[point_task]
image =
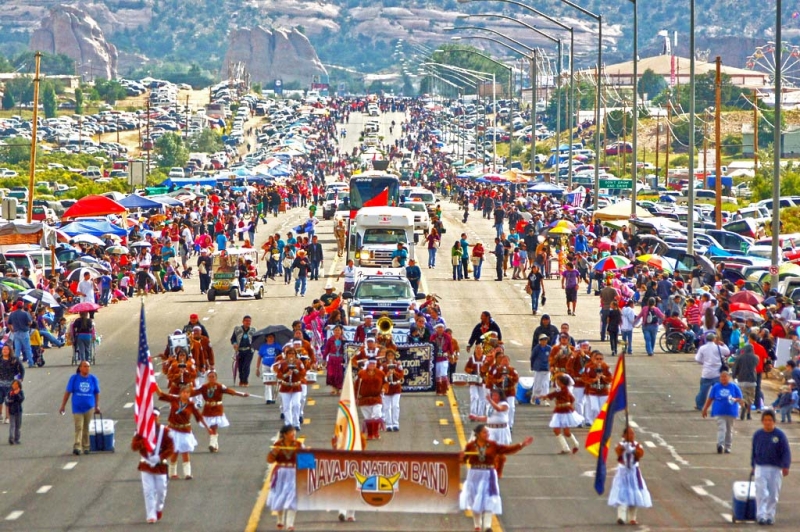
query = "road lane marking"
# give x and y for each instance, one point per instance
(261, 500)
(700, 491)
(306, 421)
(127, 405)
(443, 422)
(311, 402)
(13, 516)
(650, 444)
(44, 489)
(673, 466)
(633, 424)
(69, 465)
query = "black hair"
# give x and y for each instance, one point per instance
(286, 429)
(477, 430)
(768, 413)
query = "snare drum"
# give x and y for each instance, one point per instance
(462, 379)
(311, 376)
(269, 378)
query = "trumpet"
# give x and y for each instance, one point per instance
(385, 326)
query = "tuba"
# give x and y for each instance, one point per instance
(385, 326)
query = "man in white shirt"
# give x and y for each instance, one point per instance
(86, 289)
(711, 356)
(349, 273)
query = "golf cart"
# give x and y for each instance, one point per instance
(225, 275)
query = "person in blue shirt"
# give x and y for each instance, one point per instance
(105, 289)
(267, 353)
(401, 254)
(581, 243)
(413, 274)
(279, 242)
(85, 391)
(724, 399)
(464, 255)
(20, 322)
(222, 241)
(770, 460)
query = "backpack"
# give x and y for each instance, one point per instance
(651, 317)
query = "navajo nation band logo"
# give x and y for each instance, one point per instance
(377, 490)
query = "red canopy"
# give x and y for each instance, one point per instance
(94, 206)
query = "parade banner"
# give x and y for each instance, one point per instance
(417, 362)
(378, 481)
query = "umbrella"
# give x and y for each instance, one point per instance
(604, 244)
(40, 296)
(5, 288)
(117, 250)
(77, 275)
(13, 284)
(735, 307)
(746, 296)
(657, 261)
(769, 301)
(84, 262)
(746, 315)
(563, 223)
(560, 230)
(613, 262)
(282, 333)
(88, 239)
(84, 307)
(141, 244)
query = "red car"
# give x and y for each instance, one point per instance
(618, 148)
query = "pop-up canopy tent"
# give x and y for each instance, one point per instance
(18, 232)
(93, 206)
(139, 202)
(93, 227)
(620, 211)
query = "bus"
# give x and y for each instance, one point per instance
(368, 187)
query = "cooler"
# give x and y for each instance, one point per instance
(101, 435)
(744, 501)
(524, 388)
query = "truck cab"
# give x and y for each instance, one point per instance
(375, 234)
(381, 295)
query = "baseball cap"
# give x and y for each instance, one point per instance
(193, 316)
(543, 337)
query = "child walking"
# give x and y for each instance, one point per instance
(564, 415)
(629, 491)
(14, 401)
(785, 404)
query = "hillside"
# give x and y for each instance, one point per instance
(362, 34)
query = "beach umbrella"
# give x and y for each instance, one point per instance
(611, 263)
(563, 223)
(604, 244)
(743, 315)
(88, 239)
(735, 307)
(657, 261)
(77, 275)
(13, 284)
(117, 250)
(141, 244)
(560, 230)
(40, 296)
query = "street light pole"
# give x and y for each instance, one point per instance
(635, 168)
(777, 146)
(533, 113)
(690, 214)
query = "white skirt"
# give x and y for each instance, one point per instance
(283, 490)
(185, 442)
(481, 492)
(566, 421)
(629, 489)
(500, 435)
(217, 421)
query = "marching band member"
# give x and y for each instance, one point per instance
(363, 330)
(308, 363)
(153, 467)
(504, 377)
(181, 411)
(442, 350)
(369, 351)
(597, 379)
(215, 417)
(481, 491)
(575, 367)
(564, 416)
(369, 388)
(282, 496)
(477, 394)
(202, 352)
(392, 388)
(290, 373)
(267, 355)
(182, 371)
(307, 346)
(497, 418)
(629, 491)
(452, 359)
(560, 355)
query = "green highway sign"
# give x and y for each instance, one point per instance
(615, 183)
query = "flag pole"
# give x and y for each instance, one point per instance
(625, 381)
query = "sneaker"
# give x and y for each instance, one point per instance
(719, 449)
(86, 451)
(769, 522)
(301, 420)
(727, 451)
(762, 521)
(76, 452)
(6, 421)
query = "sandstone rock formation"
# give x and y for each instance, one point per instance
(274, 54)
(70, 31)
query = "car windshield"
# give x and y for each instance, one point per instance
(421, 196)
(384, 236)
(419, 207)
(383, 290)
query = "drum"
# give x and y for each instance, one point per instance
(311, 376)
(462, 379)
(269, 378)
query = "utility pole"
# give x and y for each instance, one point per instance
(669, 138)
(34, 128)
(718, 142)
(624, 142)
(186, 126)
(148, 139)
(658, 140)
(705, 148)
(755, 131)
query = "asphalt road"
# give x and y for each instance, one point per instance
(44, 487)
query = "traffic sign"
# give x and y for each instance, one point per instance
(773, 270)
(616, 183)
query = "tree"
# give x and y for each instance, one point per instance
(49, 101)
(584, 97)
(171, 151)
(79, 101)
(15, 153)
(8, 101)
(256, 87)
(5, 65)
(207, 141)
(21, 88)
(651, 84)
(109, 90)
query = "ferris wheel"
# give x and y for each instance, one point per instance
(763, 59)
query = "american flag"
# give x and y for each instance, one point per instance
(576, 197)
(145, 390)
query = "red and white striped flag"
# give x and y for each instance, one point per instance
(145, 390)
(577, 196)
